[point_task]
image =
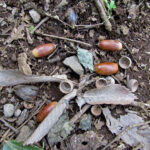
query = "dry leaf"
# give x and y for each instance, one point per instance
(22, 64)
(51, 119)
(17, 33)
(111, 94)
(15, 77)
(133, 136)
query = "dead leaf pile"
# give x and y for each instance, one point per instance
(133, 136)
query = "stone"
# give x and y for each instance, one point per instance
(9, 110)
(25, 132)
(17, 113)
(26, 92)
(35, 15)
(74, 64)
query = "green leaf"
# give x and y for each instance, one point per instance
(14, 145)
(85, 58)
(112, 4)
(31, 28)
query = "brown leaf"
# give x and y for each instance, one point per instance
(133, 136)
(22, 64)
(111, 94)
(51, 119)
(17, 33)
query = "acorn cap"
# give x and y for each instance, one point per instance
(96, 110)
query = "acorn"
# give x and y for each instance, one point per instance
(110, 45)
(45, 111)
(43, 50)
(106, 68)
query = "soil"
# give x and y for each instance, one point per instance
(138, 37)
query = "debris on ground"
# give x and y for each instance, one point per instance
(87, 141)
(133, 136)
(24, 134)
(85, 122)
(22, 64)
(74, 75)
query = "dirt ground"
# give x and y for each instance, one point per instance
(137, 40)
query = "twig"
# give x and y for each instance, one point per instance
(79, 114)
(63, 38)
(89, 26)
(39, 24)
(57, 18)
(103, 15)
(128, 128)
(8, 125)
(5, 135)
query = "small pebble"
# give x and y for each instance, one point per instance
(26, 92)
(35, 16)
(17, 113)
(9, 110)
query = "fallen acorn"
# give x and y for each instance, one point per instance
(43, 50)
(110, 45)
(45, 111)
(106, 68)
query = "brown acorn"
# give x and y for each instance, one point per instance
(110, 45)
(43, 50)
(106, 68)
(45, 111)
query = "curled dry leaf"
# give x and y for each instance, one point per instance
(22, 64)
(15, 77)
(17, 33)
(51, 119)
(110, 94)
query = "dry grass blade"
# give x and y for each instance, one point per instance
(51, 119)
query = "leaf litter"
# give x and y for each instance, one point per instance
(133, 136)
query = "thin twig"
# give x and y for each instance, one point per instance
(64, 38)
(123, 132)
(58, 19)
(89, 26)
(39, 24)
(5, 135)
(8, 125)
